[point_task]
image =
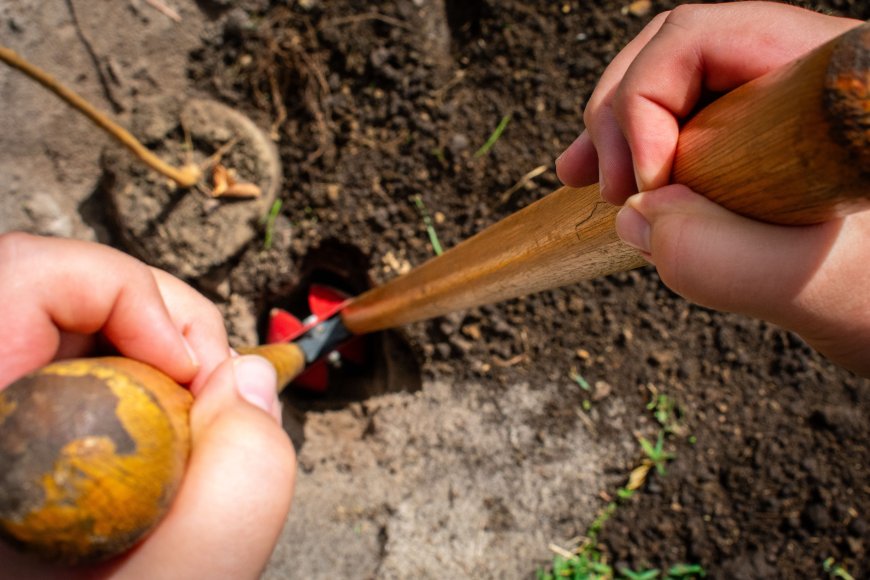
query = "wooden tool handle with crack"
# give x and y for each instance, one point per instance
(92, 450)
(791, 147)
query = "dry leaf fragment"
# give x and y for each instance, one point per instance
(638, 8)
(221, 179)
(225, 184)
(164, 9)
(243, 189)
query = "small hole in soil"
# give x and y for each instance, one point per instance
(388, 363)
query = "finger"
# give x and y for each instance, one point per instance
(236, 493)
(52, 286)
(578, 164)
(199, 320)
(797, 277)
(611, 165)
(715, 48)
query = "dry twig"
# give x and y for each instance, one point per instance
(522, 182)
(164, 9)
(365, 17)
(186, 176)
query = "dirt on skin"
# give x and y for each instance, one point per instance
(465, 450)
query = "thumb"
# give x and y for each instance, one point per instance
(236, 493)
(797, 277)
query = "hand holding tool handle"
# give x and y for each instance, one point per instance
(791, 147)
(93, 450)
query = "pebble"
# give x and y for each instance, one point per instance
(602, 391)
(49, 217)
(458, 143)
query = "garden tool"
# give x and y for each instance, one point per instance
(790, 147)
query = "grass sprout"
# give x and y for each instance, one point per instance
(834, 570)
(427, 221)
(656, 454)
(578, 378)
(583, 566)
(586, 404)
(641, 575)
(587, 561)
(667, 411)
(686, 571)
(269, 220)
(502, 125)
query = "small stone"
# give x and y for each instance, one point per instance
(458, 143)
(472, 331)
(602, 391)
(379, 57)
(48, 216)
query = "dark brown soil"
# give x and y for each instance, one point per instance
(373, 103)
(381, 106)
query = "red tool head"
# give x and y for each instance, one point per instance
(324, 303)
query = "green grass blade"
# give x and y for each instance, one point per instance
(270, 224)
(427, 221)
(484, 149)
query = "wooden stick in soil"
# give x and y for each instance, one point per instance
(186, 176)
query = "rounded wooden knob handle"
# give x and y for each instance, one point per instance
(93, 450)
(91, 454)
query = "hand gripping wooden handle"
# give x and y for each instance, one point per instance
(791, 147)
(93, 450)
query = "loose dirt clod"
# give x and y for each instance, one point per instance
(186, 232)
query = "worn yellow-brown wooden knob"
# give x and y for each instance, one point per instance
(91, 454)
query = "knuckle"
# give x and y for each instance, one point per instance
(12, 246)
(683, 14)
(592, 108)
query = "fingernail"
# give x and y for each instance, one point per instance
(256, 381)
(190, 354)
(633, 228)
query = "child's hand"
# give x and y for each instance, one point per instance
(812, 280)
(55, 297)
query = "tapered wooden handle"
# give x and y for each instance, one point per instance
(565, 237)
(287, 358)
(790, 147)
